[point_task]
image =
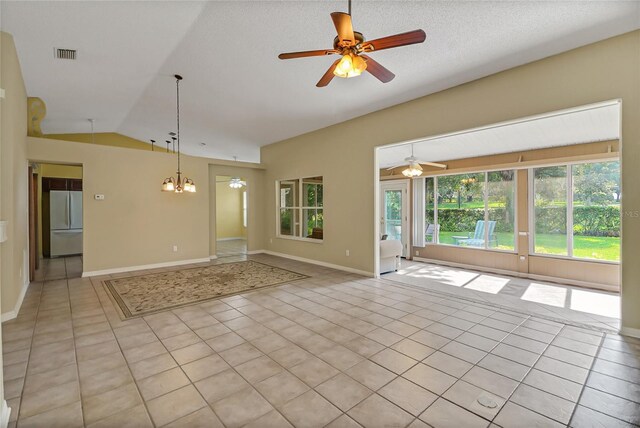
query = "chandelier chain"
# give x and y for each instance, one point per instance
(178, 119)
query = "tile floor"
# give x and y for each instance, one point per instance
(563, 303)
(335, 350)
(231, 247)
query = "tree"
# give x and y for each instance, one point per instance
(596, 183)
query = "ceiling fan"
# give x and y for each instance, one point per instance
(351, 45)
(234, 182)
(414, 169)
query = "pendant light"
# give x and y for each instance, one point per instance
(179, 184)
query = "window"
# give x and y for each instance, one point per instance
(461, 209)
(300, 208)
(550, 210)
(501, 198)
(577, 210)
(471, 210)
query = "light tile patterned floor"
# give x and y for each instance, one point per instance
(555, 301)
(336, 350)
(231, 247)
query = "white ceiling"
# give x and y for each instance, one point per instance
(583, 125)
(236, 95)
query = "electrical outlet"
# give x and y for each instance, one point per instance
(175, 248)
(347, 253)
(270, 240)
(417, 253)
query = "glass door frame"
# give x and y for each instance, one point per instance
(403, 187)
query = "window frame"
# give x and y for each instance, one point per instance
(299, 208)
(531, 211)
(245, 217)
(485, 194)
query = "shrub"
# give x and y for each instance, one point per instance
(587, 220)
(466, 218)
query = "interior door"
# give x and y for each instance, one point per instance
(394, 212)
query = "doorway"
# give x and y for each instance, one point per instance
(56, 219)
(231, 216)
(394, 212)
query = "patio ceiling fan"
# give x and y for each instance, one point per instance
(234, 182)
(414, 169)
(352, 46)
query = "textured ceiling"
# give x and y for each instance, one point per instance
(588, 124)
(236, 95)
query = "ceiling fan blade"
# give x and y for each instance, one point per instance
(396, 166)
(303, 54)
(437, 165)
(326, 79)
(403, 39)
(380, 73)
(342, 21)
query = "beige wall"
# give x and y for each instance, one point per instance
(344, 154)
(13, 182)
(254, 177)
(228, 211)
(136, 224)
(14, 178)
(59, 171)
(112, 139)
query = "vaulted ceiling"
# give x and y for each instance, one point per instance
(236, 95)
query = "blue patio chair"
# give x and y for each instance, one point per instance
(478, 235)
(432, 232)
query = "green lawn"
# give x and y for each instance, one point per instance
(591, 247)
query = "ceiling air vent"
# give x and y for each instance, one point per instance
(65, 53)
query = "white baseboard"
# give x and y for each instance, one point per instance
(319, 263)
(5, 414)
(143, 267)
(238, 238)
(631, 332)
(557, 280)
(213, 257)
(255, 252)
(16, 309)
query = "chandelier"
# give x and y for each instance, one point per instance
(179, 184)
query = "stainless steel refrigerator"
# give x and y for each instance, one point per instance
(65, 219)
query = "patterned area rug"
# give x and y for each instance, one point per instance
(145, 294)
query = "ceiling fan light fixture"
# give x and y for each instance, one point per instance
(413, 170)
(350, 66)
(235, 183)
